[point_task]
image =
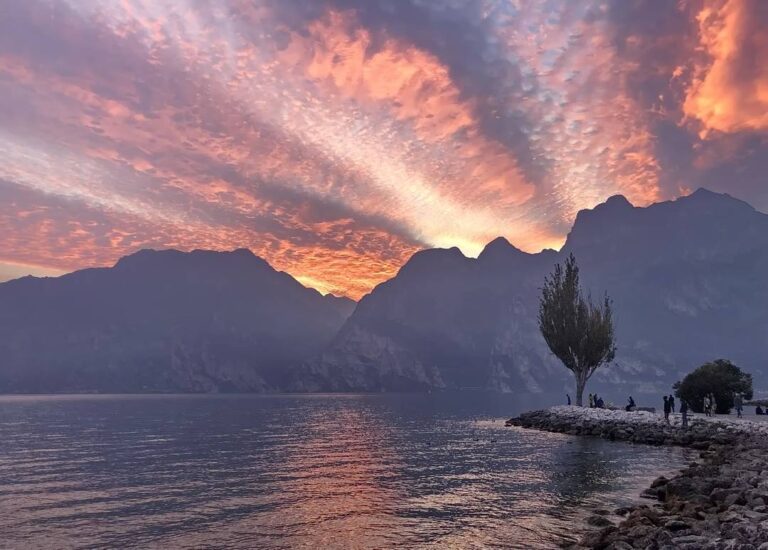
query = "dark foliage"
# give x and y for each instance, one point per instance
(721, 378)
(579, 332)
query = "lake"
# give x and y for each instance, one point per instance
(314, 471)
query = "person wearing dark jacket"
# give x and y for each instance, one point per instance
(671, 403)
(666, 409)
(599, 402)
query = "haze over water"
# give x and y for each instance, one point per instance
(365, 471)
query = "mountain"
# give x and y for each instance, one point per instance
(162, 321)
(689, 280)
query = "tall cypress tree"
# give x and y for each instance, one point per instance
(578, 331)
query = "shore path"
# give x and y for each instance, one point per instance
(719, 502)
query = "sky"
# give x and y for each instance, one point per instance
(335, 138)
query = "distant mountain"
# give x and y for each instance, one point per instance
(163, 321)
(689, 280)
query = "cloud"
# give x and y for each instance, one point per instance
(729, 90)
(337, 137)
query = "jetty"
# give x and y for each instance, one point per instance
(718, 502)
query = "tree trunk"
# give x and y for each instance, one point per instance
(580, 383)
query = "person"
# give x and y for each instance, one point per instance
(591, 401)
(707, 406)
(599, 403)
(631, 404)
(666, 409)
(568, 397)
(759, 410)
(684, 413)
(671, 403)
(738, 403)
(713, 404)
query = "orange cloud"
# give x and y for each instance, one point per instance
(729, 91)
(329, 144)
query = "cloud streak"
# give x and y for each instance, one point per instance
(335, 138)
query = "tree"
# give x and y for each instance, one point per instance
(721, 378)
(579, 332)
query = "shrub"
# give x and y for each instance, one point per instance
(721, 378)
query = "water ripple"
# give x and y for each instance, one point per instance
(377, 471)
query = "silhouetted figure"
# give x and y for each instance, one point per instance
(600, 403)
(568, 397)
(671, 403)
(666, 409)
(714, 403)
(631, 405)
(738, 404)
(684, 412)
(591, 401)
(759, 410)
(707, 406)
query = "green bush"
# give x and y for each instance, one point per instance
(721, 378)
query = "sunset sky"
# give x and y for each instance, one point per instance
(334, 138)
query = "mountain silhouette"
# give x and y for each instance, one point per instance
(688, 279)
(162, 321)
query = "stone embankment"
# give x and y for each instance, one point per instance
(720, 502)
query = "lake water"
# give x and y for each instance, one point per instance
(315, 471)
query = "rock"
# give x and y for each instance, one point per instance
(676, 525)
(596, 520)
(659, 481)
(729, 516)
(718, 502)
(599, 539)
(651, 494)
(689, 539)
(720, 495)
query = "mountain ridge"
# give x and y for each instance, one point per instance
(672, 268)
(689, 270)
(162, 321)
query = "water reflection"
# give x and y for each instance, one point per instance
(375, 471)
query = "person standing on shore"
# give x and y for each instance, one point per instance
(568, 397)
(738, 403)
(684, 413)
(713, 405)
(591, 401)
(666, 409)
(707, 406)
(672, 403)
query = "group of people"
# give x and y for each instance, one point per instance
(596, 402)
(710, 406)
(669, 404)
(669, 408)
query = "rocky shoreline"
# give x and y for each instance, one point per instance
(719, 502)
